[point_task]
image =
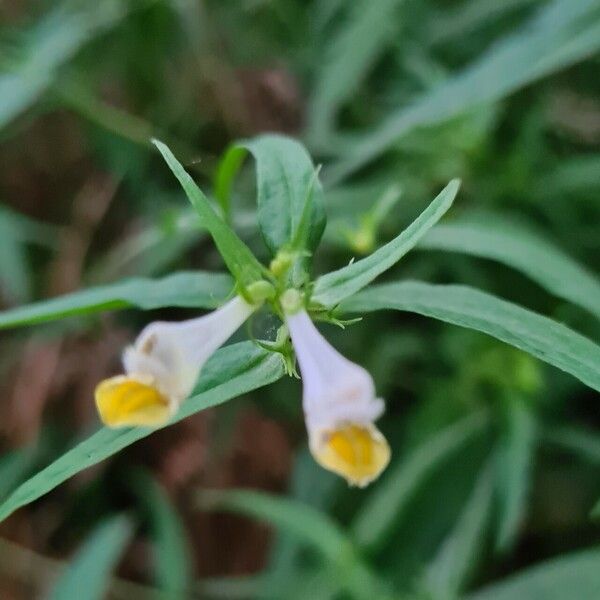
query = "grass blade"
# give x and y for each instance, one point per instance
(560, 34)
(390, 497)
(365, 34)
(307, 524)
(94, 563)
(583, 443)
(171, 547)
(446, 575)
(51, 43)
(514, 464)
(571, 576)
(298, 519)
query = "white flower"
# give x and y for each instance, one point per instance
(340, 406)
(162, 366)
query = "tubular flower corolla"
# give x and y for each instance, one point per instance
(340, 406)
(162, 366)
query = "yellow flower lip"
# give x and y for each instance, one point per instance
(130, 401)
(359, 453)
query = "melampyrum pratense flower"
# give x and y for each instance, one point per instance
(339, 399)
(339, 402)
(162, 366)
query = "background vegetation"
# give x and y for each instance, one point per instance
(496, 455)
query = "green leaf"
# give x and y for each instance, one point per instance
(15, 271)
(151, 249)
(351, 53)
(311, 485)
(301, 520)
(17, 464)
(231, 371)
(540, 336)
(84, 101)
(387, 501)
(51, 43)
(575, 175)
(306, 523)
(515, 455)
(469, 17)
(561, 33)
(193, 289)
(242, 587)
(172, 554)
(14, 465)
(520, 248)
(227, 169)
(572, 576)
(93, 564)
(290, 198)
(28, 230)
(447, 573)
(237, 256)
(16, 231)
(583, 443)
(337, 285)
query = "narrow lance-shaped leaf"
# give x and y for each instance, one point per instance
(171, 551)
(15, 270)
(579, 441)
(540, 336)
(362, 37)
(227, 169)
(17, 464)
(337, 285)
(193, 290)
(290, 198)
(468, 17)
(51, 43)
(387, 501)
(514, 463)
(520, 248)
(28, 230)
(292, 516)
(571, 576)
(311, 485)
(448, 572)
(16, 232)
(14, 466)
(231, 371)
(237, 256)
(93, 564)
(309, 525)
(151, 250)
(563, 32)
(237, 587)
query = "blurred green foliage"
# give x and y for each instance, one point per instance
(496, 455)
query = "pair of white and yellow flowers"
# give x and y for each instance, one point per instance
(339, 401)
